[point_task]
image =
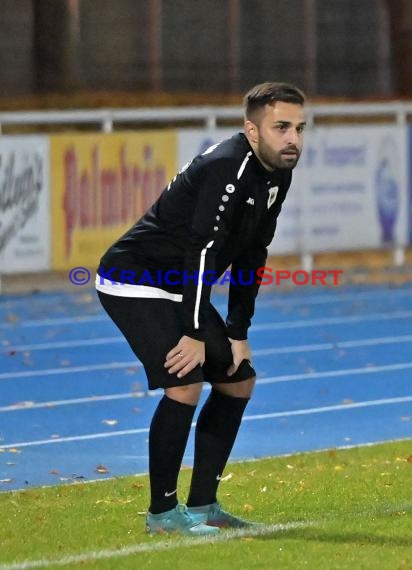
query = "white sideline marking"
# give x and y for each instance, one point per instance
(303, 412)
(172, 544)
(259, 352)
(261, 381)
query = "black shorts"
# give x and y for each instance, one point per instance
(152, 327)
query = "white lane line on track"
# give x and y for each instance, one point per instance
(69, 370)
(331, 321)
(260, 382)
(134, 364)
(303, 412)
(173, 544)
(399, 314)
(71, 401)
(65, 344)
(277, 298)
(56, 322)
(375, 341)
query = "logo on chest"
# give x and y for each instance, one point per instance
(273, 192)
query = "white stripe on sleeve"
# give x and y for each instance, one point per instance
(200, 283)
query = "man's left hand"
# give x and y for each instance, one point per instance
(240, 351)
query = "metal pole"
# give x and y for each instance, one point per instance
(383, 31)
(155, 44)
(310, 45)
(233, 49)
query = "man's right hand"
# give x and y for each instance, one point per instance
(185, 356)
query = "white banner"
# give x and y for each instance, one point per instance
(355, 195)
(192, 142)
(24, 204)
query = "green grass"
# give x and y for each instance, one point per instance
(358, 501)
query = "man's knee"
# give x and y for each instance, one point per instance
(241, 389)
(189, 394)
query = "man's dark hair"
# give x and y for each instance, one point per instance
(268, 94)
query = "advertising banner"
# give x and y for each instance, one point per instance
(355, 194)
(410, 185)
(195, 141)
(101, 184)
(24, 204)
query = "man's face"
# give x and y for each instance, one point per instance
(277, 135)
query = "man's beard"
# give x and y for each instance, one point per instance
(285, 159)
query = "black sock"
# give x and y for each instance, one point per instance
(216, 431)
(169, 431)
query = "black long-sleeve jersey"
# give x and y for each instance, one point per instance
(220, 210)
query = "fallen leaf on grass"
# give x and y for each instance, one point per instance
(115, 501)
(227, 478)
(409, 459)
(137, 486)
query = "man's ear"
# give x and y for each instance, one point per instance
(251, 131)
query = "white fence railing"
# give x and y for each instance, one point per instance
(208, 116)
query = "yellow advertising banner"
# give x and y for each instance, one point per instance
(100, 185)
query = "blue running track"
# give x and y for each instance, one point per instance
(334, 369)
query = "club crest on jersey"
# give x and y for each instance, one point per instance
(273, 192)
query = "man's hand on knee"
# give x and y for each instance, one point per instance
(240, 351)
(185, 356)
